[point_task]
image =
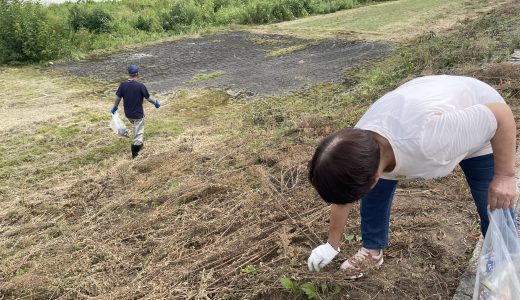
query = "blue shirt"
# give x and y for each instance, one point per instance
(133, 92)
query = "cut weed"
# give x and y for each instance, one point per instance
(285, 51)
(208, 76)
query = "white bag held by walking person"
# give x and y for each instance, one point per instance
(117, 125)
(498, 273)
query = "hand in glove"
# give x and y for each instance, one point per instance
(321, 256)
(114, 109)
(157, 104)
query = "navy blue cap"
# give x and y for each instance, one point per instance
(133, 69)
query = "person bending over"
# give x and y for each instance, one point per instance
(422, 129)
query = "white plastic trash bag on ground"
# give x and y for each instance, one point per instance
(117, 125)
(498, 273)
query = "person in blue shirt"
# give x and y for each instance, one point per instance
(133, 93)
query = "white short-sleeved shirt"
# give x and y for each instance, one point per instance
(434, 122)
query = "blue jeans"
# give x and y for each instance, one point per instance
(376, 205)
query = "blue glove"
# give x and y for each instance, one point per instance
(114, 109)
(157, 104)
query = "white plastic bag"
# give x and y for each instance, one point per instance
(498, 273)
(117, 125)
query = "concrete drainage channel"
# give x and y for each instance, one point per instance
(467, 282)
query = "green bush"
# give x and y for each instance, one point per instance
(99, 21)
(283, 10)
(143, 23)
(329, 6)
(26, 34)
(148, 23)
(77, 17)
(220, 4)
(188, 13)
(227, 15)
(256, 12)
(83, 40)
(96, 20)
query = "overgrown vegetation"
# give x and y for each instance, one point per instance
(95, 20)
(27, 33)
(31, 32)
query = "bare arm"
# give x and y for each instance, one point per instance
(502, 190)
(338, 219)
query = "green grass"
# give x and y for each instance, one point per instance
(387, 20)
(95, 155)
(208, 76)
(285, 51)
(160, 126)
(402, 14)
(66, 132)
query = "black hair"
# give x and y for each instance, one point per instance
(344, 165)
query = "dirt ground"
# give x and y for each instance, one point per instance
(241, 58)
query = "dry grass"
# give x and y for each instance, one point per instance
(184, 219)
(36, 97)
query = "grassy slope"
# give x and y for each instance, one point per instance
(393, 20)
(216, 181)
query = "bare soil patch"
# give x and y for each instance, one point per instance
(244, 61)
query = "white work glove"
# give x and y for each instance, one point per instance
(321, 256)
